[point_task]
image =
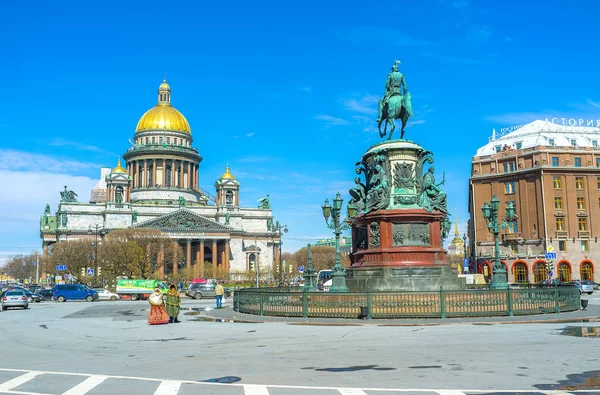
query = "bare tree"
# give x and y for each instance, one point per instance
(20, 267)
(75, 254)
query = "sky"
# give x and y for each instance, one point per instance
(286, 93)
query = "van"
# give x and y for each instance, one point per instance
(62, 292)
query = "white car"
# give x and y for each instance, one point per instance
(105, 294)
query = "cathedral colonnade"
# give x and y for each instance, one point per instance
(196, 252)
(169, 173)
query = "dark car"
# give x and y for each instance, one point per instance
(46, 294)
(206, 290)
(33, 296)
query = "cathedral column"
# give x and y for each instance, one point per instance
(214, 258)
(201, 259)
(226, 248)
(172, 173)
(175, 258)
(188, 254)
(161, 262)
(154, 173)
(181, 174)
(163, 181)
(145, 179)
(190, 174)
(136, 178)
(108, 193)
(196, 266)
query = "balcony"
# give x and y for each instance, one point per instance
(582, 213)
(583, 234)
(561, 234)
(513, 236)
(559, 213)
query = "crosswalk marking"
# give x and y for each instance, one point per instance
(351, 391)
(17, 381)
(251, 389)
(168, 387)
(86, 386)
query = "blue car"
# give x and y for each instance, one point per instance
(62, 292)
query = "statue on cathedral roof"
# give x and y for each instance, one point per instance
(264, 203)
(47, 210)
(68, 196)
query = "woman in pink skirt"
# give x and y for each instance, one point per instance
(158, 313)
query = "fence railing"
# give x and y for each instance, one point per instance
(440, 304)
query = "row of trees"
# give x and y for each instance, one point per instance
(142, 253)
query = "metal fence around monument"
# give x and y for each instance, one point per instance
(291, 302)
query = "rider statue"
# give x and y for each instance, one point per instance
(394, 86)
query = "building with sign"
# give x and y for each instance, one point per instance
(158, 188)
(551, 173)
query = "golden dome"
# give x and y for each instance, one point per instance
(227, 174)
(164, 116)
(119, 168)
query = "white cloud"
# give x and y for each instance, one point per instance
(25, 161)
(365, 105)
(57, 142)
(331, 120)
(254, 159)
(593, 103)
(305, 88)
(517, 118)
(250, 135)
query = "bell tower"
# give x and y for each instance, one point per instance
(118, 184)
(228, 189)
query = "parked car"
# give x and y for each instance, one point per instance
(14, 298)
(64, 292)
(46, 294)
(205, 290)
(105, 294)
(592, 283)
(33, 296)
(584, 286)
(34, 287)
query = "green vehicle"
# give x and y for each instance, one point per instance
(140, 289)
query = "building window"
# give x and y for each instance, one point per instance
(557, 183)
(577, 162)
(597, 162)
(551, 142)
(594, 143)
(598, 182)
(509, 188)
(582, 224)
(540, 273)
(147, 140)
(586, 271)
(518, 144)
(229, 197)
(513, 227)
(558, 203)
(578, 182)
(564, 272)
(160, 139)
(573, 143)
(498, 148)
(153, 140)
(580, 203)
(168, 140)
(520, 272)
(555, 161)
(509, 166)
(562, 245)
(584, 246)
(560, 224)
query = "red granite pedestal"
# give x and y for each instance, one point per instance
(400, 250)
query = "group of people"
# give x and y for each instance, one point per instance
(159, 314)
(166, 310)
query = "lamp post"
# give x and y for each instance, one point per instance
(490, 214)
(280, 230)
(97, 230)
(338, 282)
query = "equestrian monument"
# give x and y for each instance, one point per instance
(402, 214)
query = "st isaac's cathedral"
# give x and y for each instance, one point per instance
(159, 189)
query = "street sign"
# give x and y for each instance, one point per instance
(61, 268)
(301, 269)
(551, 255)
(90, 271)
(550, 249)
(34, 263)
(66, 276)
(550, 273)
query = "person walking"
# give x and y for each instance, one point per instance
(219, 291)
(158, 313)
(173, 302)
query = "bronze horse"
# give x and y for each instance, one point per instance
(397, 107)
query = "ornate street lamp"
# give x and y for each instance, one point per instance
(338, 282)
(97, 230)
(280, 230)
(490, 214)
(465, 248)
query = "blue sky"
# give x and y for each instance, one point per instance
(286, 93)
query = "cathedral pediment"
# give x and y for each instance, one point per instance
(184, 219)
